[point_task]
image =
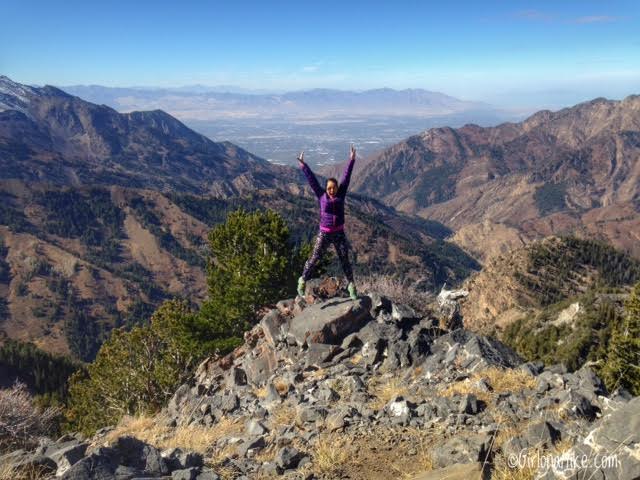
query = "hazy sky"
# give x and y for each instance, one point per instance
(510, 53)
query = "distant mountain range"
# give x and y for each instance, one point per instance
(572, 171)
(198, 103)
(51, 136)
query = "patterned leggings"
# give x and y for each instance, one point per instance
(323, 240)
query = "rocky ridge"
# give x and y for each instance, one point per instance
(327, 387)
(47, 135)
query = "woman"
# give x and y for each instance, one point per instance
(331, 200)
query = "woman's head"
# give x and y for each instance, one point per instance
(332, 187)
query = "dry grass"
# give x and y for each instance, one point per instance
(356, 359)
(8, 471)
(341, 387)
(501, 381)
(422, 461)
(385, 390)
(319, 374)
(329, 455)
(281, 385)
(283, 414)
(198, 438)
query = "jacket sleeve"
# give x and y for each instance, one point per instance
(313, 181)
(346, 177)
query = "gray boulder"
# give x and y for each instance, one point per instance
(137, 454)
(101, 465)
(66, 454)
(330, 321)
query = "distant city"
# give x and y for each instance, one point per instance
(325, 141)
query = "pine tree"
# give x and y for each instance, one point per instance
(253, 263)
(622, 368)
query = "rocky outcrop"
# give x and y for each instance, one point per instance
(328, 361)
(374, 373)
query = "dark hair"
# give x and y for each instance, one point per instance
(332, 179)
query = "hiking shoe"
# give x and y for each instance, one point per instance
(301, 284)
(352, 291)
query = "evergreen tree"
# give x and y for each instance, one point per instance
(622, 368)
(253, 263)
(134, 372)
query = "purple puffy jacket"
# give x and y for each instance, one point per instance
(331, 209)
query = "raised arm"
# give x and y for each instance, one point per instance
(346, 175)
(311, 178)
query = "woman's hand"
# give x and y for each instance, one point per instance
(352, 155)
(301, 158)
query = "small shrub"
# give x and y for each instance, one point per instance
(20, 420)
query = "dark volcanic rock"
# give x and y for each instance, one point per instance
(329, 322)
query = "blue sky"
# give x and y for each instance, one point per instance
(510, 53)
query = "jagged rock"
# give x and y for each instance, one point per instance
(137, 454)
(468, 351)
(396, 356)
(532, 368)
(288, 457)
(379, 303)
(402, 313)
(398, 407)
(573, 403)
(272, 325)
(419, 342)
(177, 459)
(322, 288)
(319, 353)
(255, 427)
(181, 397)
(259, 364)
(123, 472)
(251, 443)
(336, 421)
(307, 414)
(326, 394)
(322, 387)
(539, 435)
(236, 377)
(469, 404)
(449, 309)
(66, 454)
(330, 321)
(272, 396)
(101, 465)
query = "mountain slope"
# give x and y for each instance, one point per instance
(49, 135)
(75, 262)
(576, 170)
(520, 284)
